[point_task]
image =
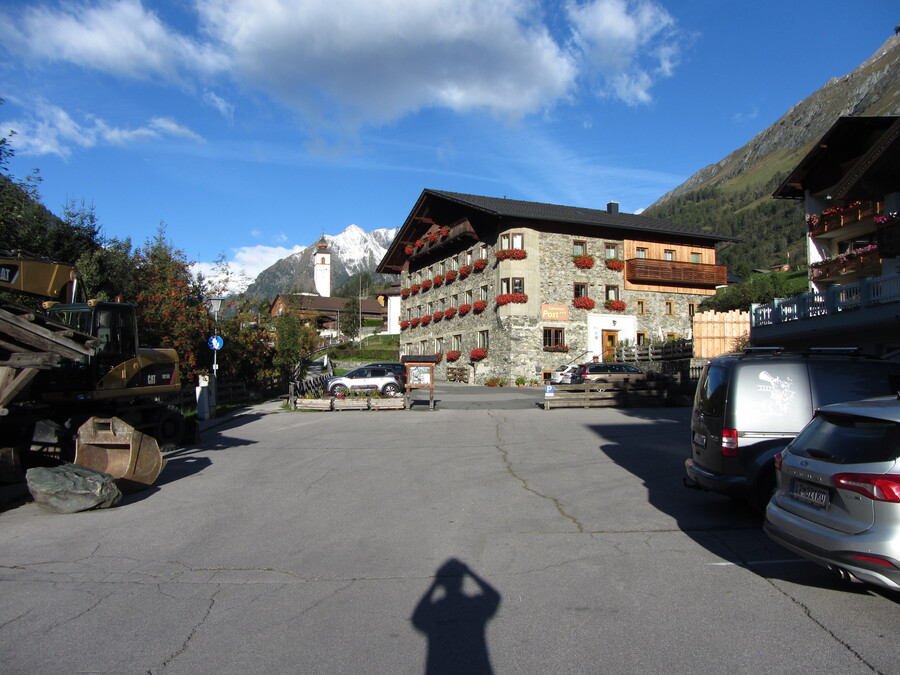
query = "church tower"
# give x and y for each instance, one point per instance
(322, 268)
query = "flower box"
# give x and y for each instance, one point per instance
(419, 243)
(453, 355)
(312, 404)
(564, 349)
(404, 324)
(438, 280)
(465, 270)
(584, 302)
(415, 288)
(507, 298)
(450, 277)
(615, 264)
(390, 403)
(615, 305)
(450, 312)
(480, 264)
(404, 292)
(352, 403)
(425, 320)
(437, 316)
(426, 284)
(445, 231)
(479, 306)
(432, 237)
(409, 250)
(511, 254)
(583, 262)
(414, 322)
(478, 354)
(465, 308)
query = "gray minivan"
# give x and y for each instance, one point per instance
(749, 405)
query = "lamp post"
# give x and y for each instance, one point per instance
(215, 343)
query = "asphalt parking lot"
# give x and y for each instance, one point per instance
(487, 535)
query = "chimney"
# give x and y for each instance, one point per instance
(612, 207)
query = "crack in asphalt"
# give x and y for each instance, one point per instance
(187, 641)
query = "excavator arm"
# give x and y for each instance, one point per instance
(41, 277)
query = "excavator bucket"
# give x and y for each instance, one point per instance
(110, 445)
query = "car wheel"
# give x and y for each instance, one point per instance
(338, 389)
(390, 389)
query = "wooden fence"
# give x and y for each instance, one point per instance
(719, 332)
(603, 395)
(457, 374)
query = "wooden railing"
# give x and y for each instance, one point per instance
(834, 221)
(674, 273)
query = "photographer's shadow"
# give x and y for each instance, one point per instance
(455, 623)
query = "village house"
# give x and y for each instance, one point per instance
(850, 185)
(513, 289)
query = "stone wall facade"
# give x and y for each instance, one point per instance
(514, 332)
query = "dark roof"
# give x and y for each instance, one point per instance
(513, 208)
(318, 303)
(857, 158)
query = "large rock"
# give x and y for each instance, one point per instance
(71, 488)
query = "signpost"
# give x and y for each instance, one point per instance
(419, 375)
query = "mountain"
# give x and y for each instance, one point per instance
(352, 251)
(733, 196)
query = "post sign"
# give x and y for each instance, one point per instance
(216, 342)
(554, 312)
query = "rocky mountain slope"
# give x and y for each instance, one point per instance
(733, 196)
(352, 251)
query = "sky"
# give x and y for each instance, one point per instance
(249, 128)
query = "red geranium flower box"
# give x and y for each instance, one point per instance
(409, 250)
(437, 316)
(478, 354)
(453, 355)
(507, 298)
(465, 271)
(404, 292)
(615, 305)
(438, 280)
(414, 322)
(584, 302)
(480, 264)
(415, 288)
(479, 305)
(583, 262)
(511, 254)
(464, 308)
(615, 264)
(426, 284)
(450, 277)
(450, 312)
(425, 320)
(404, 324)
(432, 237)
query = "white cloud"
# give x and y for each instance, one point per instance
(225, 108)
(627, 43)
(245, 265)
(50, 130)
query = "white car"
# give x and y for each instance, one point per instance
(563, 374)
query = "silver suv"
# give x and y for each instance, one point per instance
(366, 378)
(838, 496)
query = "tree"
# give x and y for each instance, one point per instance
(295, 341)
(350, 317)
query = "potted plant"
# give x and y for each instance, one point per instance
(584, 302)
(615, 264)
(413, 322)
(479, 306)
(520, 381)
(511, 254)
(437, 316)
(404, 324)
(465, 270)
(409, 249)
(480, 264)
(438, 280)
(419, 243)
(507, 298)
(426, 284)
(425, 320)
(432, 237)
(415, 288)
(583, 262)
(445, 231)
(615, 305)
(464, 308)
(453, 355)
(450, 312)
(450, 277)
(563, 349)
(404, 292)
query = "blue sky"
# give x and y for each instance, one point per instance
(250, 128)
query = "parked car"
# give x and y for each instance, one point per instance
(371, 379)
(563, 374)
(748, 406)
(838, 496)
(608, 372)
(399, 369)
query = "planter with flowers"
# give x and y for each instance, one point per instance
(426, 284)
(419, 243)
(615, 305)
(615, 264)
(495, 382)
(511, 254)
(564, 349)
(478, 354)
(432, 237)
(425, 320)
(507, 298)
(464, 271)
(409, 249)
(480, 264)
(450, 277)
(437, 316)
(584, 302)
(453, 355)
(415, 288)
(312, 404)
(479, 306)
(438, 280)
(414, 322)
(583, 262)
(404, 292)
(464, 308)
(404, 324)
(450, 312)
(386, 403)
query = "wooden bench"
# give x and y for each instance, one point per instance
(457, 374)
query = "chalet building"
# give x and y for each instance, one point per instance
(850, 185)
(513, 288)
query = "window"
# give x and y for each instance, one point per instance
(454, 263)
(579, 290)
(454, 301)
(504, 286)
(439, 345)
(470, 297)
(641, 306)
(641, 338)
(456, 342)
(484, 339)
(441, 267)
(640, 253)
(612, 251)
(670, 308)
(669, 254)
(484, 292)
(612, 292)
(430, 307)
(695, 257)
(469, 257)
(443, 304)
(579, 248)
(554, 337)
(504, 241)
(483, 251)
(518, 240)
(518, 285)
(692, 308)
(423, 347)
(671, 337)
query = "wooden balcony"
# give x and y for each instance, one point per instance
(864, 264)
(837, 220)
(673, 273)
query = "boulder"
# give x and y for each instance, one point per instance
(71, 488)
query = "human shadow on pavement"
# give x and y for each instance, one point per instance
(455, 623)
(727, 528)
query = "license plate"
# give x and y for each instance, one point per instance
(700, 439)
(809, 494)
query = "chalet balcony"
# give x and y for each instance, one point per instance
(673, 273)
(832, 221)
(847, 266)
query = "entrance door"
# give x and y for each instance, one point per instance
(610, 340)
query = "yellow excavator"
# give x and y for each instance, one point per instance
(75, 384)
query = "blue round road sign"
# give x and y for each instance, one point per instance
(216, 342)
